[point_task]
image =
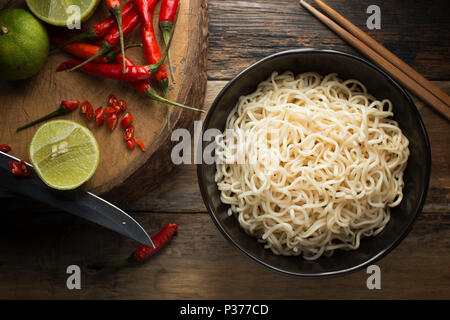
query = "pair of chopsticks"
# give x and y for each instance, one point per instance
(385, 59)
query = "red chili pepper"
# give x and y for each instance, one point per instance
(122, 104)
(167, 15)
(144, 87)
(131, 143)
(141, 145)
(15, 168)
(109, 111)
(5, 148)
(111, 39)
(116, 12)
(69, 106)
(79, 49)
(112, 100)
(65, 107)
(151, 48)
(19, 168)
(102, 28)
(99, 116)
(90, 113)
(144, 252)
(85, 105)
(112, 121)
(126, 120)
(129, 132)
(110, 71)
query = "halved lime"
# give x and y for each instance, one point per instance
(60, 12)
(64, 154)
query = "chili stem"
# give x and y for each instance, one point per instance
(155, 67)
(88, 34)
(151, 92)
(117, 13)
(46, 117)
(166, 36)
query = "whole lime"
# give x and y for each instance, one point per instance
(24, 44)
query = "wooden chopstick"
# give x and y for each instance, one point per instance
(387, 66)
(392, 58)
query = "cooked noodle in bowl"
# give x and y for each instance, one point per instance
(310, 163)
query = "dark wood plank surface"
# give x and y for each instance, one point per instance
(37, 243)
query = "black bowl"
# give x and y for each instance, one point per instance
(416, 176)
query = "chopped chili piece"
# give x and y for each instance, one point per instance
(131, 143)
(126, 120)
(141, 145)
(109, 111)
(24, 168)
(5, 148)
(112, 121)
(99, 116)
(122, 104)
(112, 100)
(19, 168)
(85, 105)
(129, 133)
(89, 112)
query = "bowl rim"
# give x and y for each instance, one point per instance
(380, 254)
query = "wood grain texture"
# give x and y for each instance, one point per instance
(244, 31)
(198, 263)
(120, 172)
(36, 244)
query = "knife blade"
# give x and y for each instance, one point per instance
(77, 202)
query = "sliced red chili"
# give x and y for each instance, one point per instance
(24, 168)
(90, 112)
(141, 145)
(15, 168)
(129, 133)
(131, 143)
(122, 104)
(85, 105)
(126, 120)
(19, 168)
(112, 121)
(112, 100)
(5, 148)
(99, 116)
(109, 111)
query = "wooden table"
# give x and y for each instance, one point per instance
(37, 244)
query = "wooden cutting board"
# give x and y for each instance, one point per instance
(122, 175)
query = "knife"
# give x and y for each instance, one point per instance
(77, 202)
